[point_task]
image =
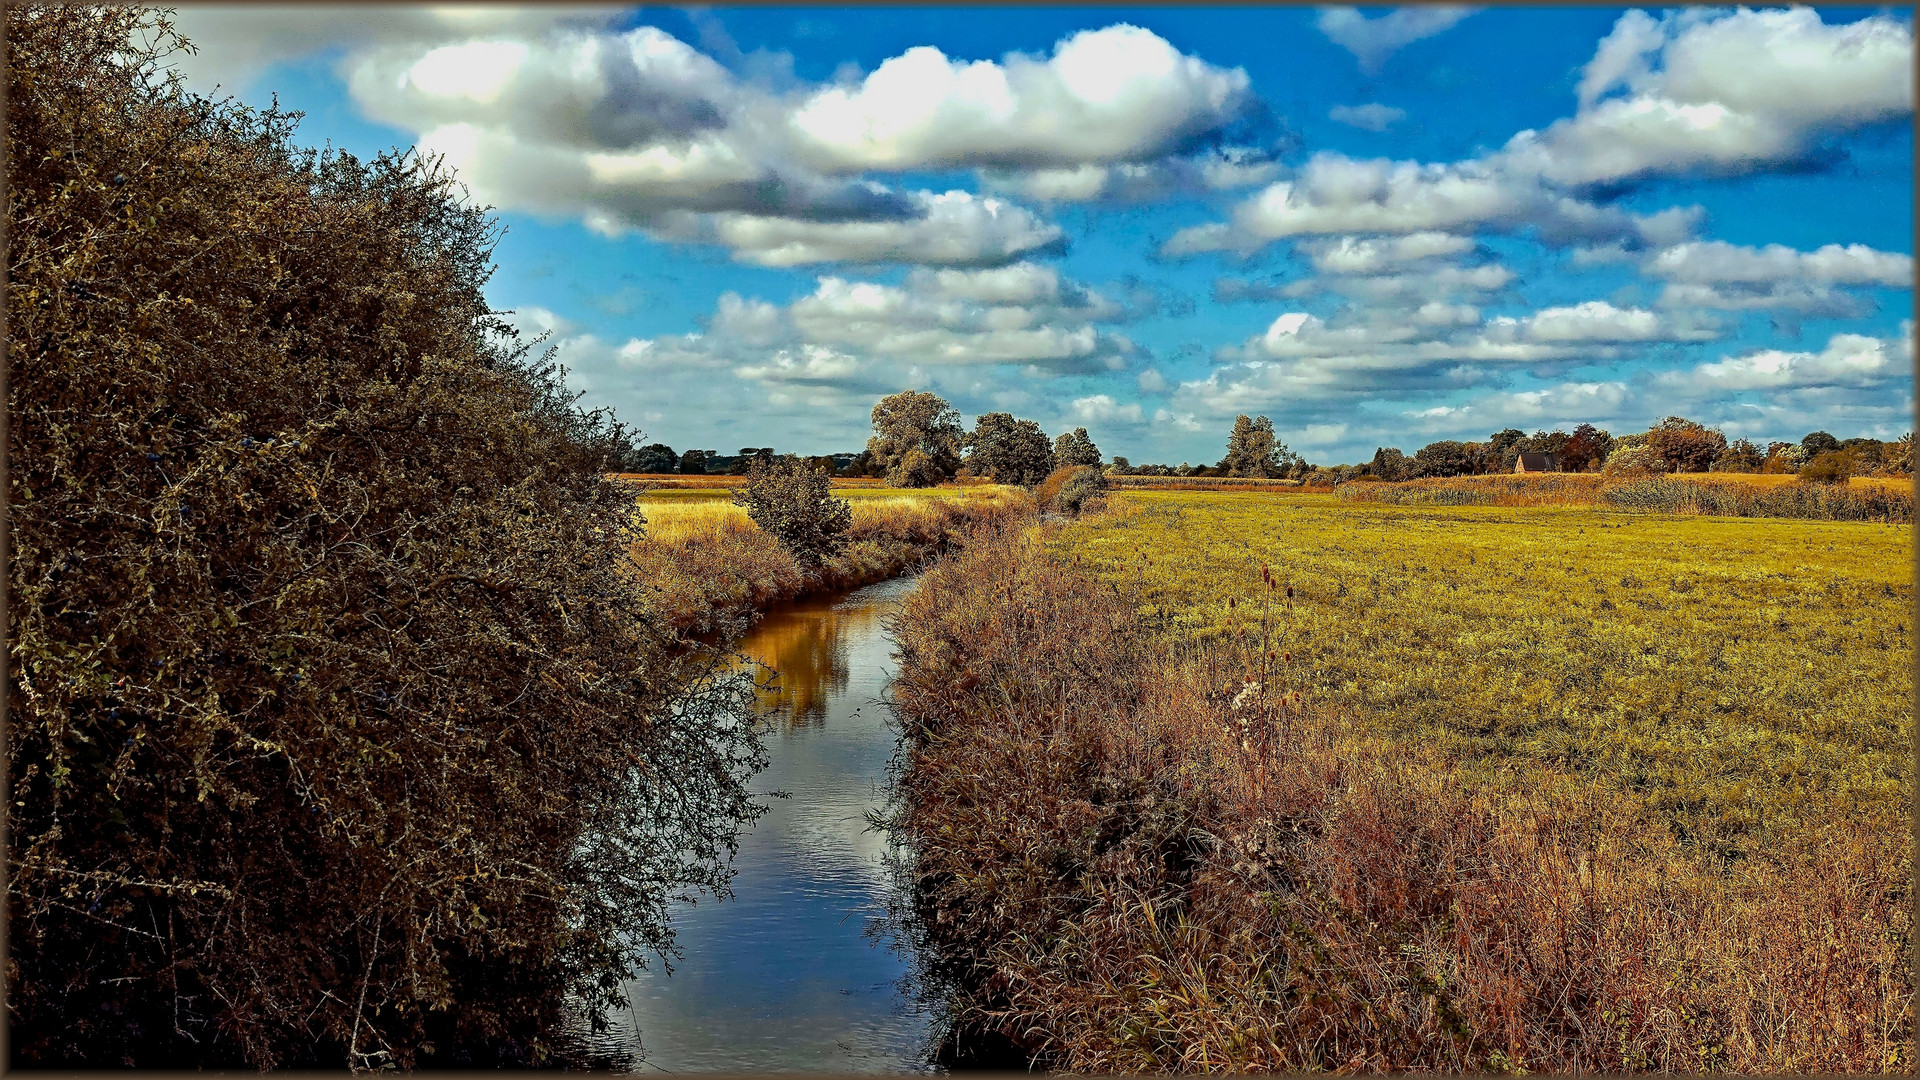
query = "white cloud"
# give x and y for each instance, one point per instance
(1336, 194)
(1371, 41)
(1851, 360)
(1216, 169)
(953, 229)
(1121, 93)
(1151, 381)
(1720, 91)
(1370, 117)
(1599, 321)
(1729, 277)
(1103, 409)
(1359, 255)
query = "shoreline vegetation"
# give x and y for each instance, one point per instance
(1235, 782)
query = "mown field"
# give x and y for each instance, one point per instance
(1730, 669)
(1224, 781)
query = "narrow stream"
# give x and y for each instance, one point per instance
(785, 975)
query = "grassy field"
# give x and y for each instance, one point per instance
(1730, 668)
(711, 565)
(1255, 781)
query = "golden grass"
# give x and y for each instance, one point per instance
(1548, 789)
(711, 565)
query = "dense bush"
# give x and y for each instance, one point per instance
(339, 730)
(1071, 489)
(1831, 467)
(793, 502)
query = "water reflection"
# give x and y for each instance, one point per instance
(784, 976)
(806, 646)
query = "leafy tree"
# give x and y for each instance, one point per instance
(694, 462)
(1685, 446)
(1443, 458)
(1121, 466)
(1831, 467)
(1076, 448)
(1783, 457)
(748, 456)
(1899, 454)
(825, 463)
(340, 730)
(655, 458)
(1634, 459)
(1586, 448)
(916, 440)
(1389, 463)
(861, 465)
(793, 501)
(1253, 450)
(1817, 443)
(1740, 456)
(1009, 451)
(1504, 447)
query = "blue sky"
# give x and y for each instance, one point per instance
(1378, 226)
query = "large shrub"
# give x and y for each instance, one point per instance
(793, 502)
(339, 731)
(1831, 467)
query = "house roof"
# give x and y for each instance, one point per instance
(1539, 461)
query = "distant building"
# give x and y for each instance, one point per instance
(1537, 463)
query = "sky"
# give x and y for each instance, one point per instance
(1379, 227)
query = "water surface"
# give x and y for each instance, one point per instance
(785, 976)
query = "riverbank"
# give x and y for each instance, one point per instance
(709, 568)
(1166, 819)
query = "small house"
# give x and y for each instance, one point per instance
(1537, 463)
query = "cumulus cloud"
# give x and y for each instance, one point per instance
(1720, 91)
(1370, 117)
(1565, 405)
(956, 228)
(1121, 93)
(1335, 194)
(1103, 409)
(1371, 41)
(1730, 277)
(1211, 170)
(1849, 360)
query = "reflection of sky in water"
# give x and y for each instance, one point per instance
(783, 976)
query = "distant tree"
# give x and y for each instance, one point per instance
(1898, 457)
(1831, 467)
(793, 501)
(1740, 456)
(1253, 450)
(1504, 446)
(1783, 457)
(655, 458)
(694, 462)
(1075, 448)
(742, 464)
(1586, 448)
(1120, 467)
(917, 439)
(825, 463)
(1868, 454)
(1635, 459)
(861, 465)
(1817, 443)
(1008, 451)
(1443, 458)
(1389, 463)
(1685, 446)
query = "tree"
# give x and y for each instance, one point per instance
(1503, 448)
(748, 457)
(331, 675)
(1783, 457)
(1635, 459)
(1253, 450)
(1443, 458)
(1586, 448)
(1009, 451)
(1389, 463)
(1685, 446)
(694, 462)
(1817, 443)
(1899, 455)
(1831, 467)
(1121, 466)
(655, 458)
(1076, 448)
(1740, 456)
(916, 440)
(793, 501)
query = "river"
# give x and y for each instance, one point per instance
(786, 975)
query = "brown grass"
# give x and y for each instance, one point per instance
(711, 565)
(1136, 857)
(1205, 483)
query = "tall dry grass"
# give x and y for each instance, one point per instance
(1135, 857)
(1694, 493)
(711, 565)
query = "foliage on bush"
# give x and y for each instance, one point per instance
(1637, 459)
(794, 503)
(1831, 467)
(340, 731)
(1071, 489)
